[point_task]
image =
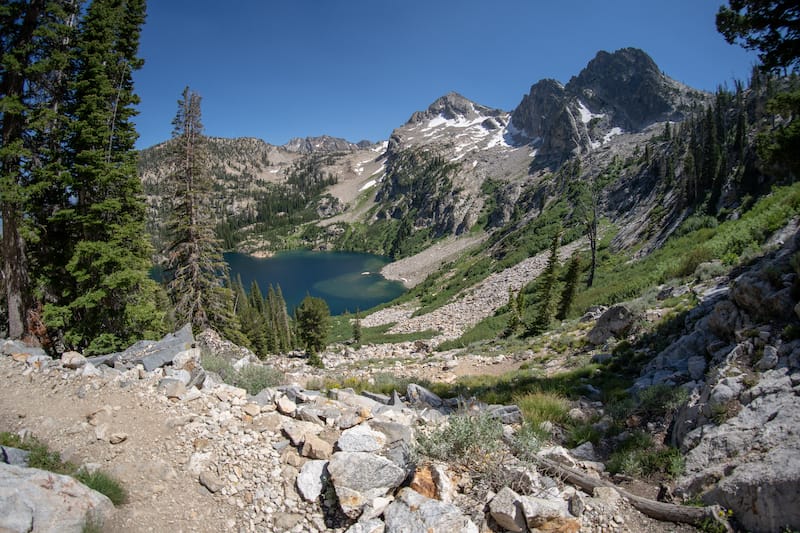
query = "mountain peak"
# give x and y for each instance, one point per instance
(322, 144)
(628, 83)
(453, 106)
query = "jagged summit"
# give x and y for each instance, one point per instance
(619, 92)
(322, 144)
(454, 106)
(629, 84)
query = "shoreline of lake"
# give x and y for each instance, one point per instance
(347, 281)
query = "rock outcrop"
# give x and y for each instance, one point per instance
(617, 92)
(322, 144)
(36, 500)
(738, 430)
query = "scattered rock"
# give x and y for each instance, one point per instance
(211, 481)
(73, 360)
(506, 509)
(316, 448)
(359, 477)
(310, 481)
(14, 456)
(615, 321)
(118, 438)
(418, 394)
(361, 438)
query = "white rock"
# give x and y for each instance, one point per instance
(309, 481)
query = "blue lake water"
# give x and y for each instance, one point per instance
(347, 281)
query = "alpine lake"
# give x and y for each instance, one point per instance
(347, 281)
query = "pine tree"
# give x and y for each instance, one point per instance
(195, 266)
(545, 296)
(34, 57)
(357, 328)
(585, 198)
(570, 285)
(106, 299)
(768, 26)
(516, 304)
(313, 318)
(282, 324)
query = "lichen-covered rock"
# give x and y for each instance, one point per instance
(411, 513)
(358, 477)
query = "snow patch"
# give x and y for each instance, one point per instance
(460, 122)
(614, 131)
(586, 115)
(474, 164)
(367, 185)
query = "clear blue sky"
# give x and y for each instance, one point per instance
(358, 69)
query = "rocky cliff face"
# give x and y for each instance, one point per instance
(617, 92)
(629, 86)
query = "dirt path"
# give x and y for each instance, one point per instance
(162, 495)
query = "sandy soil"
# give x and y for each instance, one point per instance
(413, 270)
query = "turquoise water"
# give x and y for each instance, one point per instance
(347, 281)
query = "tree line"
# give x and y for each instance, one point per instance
(75, 254)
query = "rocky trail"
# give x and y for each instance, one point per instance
(214, 458)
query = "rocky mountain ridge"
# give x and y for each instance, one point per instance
(612, 101)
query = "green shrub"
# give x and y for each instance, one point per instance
(219, 365)
(540, 406)
(638, 456)
(696, 222)
(255, 378)
(528, 441)
(104, 484)
(581, 433)
(465, 437)
(660, 400)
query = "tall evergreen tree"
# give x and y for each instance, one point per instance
(768, 26)
(570, 285)
(34, 56)
(195, 266)
(313, 322)
(279, 320)
(106, 299)
(545, 296)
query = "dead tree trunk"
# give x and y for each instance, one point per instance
(658, 510)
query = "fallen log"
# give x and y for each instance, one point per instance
(666, 512)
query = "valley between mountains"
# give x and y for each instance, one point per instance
(601, 330)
